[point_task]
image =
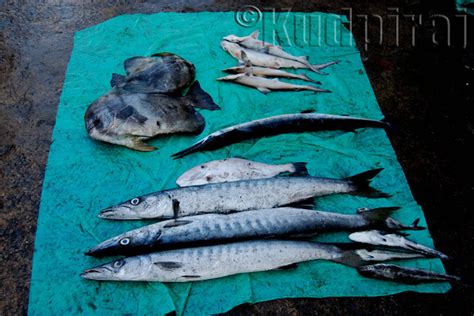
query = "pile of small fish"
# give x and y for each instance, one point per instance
(236, 216)
(149, 101)
(261, 60)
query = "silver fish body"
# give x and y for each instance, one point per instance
(268, 72)
(391, 272)
(276, 125)
(265, 60)
(238, 196)
(161, 73)
(124, 118)
(266, 85)
(378, 238)
(235, 169)
(266, 223)
(210, 262)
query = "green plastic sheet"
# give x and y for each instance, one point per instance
(84, 176)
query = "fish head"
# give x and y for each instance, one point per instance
(234, 38)
(132, 242)
(376, 270)
(372, 237)
(195, 176)
(157, 206)
(232, 48)
(122, 269)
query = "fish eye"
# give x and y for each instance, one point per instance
(135, 201)
(118, 264)
(124, 241)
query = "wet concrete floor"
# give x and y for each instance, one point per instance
(425, 89)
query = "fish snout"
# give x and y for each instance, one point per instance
(108, 213)
(97, 273)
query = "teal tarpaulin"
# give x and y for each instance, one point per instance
(84, 176)
(465, 6)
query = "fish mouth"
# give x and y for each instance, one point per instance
(114, 212)
(107, 213)
(94, 273)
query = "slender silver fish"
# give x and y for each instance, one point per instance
(215, 228)
(378, 238)
(268, 72)
(235, 169)
(210, 262)
(391, 272)
(238, 196)
(251, 41)
(264, 60)
(276, 125)
(266, 85)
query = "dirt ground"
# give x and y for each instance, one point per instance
(424, 89)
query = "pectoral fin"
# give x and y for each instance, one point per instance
(139, 145)
(263, 90)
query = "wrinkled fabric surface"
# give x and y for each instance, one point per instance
(84, 176)
(465, 6)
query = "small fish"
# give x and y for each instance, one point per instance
(239, 196)
(276, 125)
(268, 72)
(252, 42)
(161, 73)
(378, 238)
(210, 262)
(265, 223)
(264, 60)
(235, 169)
(266, 85)
(124, 118)
(391, 272)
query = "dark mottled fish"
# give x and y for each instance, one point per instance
(391, 272)
(276, 125)
(239, 196)
(218, 228)
(210, 262)
(124, 118)
(161, 73)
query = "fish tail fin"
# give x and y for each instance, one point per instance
(317, 68)
(362, 186)
(117, 80)
(300, 169)
(140, 145)
(201, 99)
(377, 215)
(306, 78)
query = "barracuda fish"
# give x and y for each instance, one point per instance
(391, 272)
(268, 72)
(210, 262)
(216, 228)
(235, 169)
(161, 73)
(239, 196)
(378, 238)
(276, 125)
(266, 85)
(264, 60)
(124, 118)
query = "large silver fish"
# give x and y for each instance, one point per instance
(215, 228)
(235, 169)
(161, 73)
(379, 238)
(266, 85)
(276, 125)
(210, 262)
(264, 60)
(391, 272)
(238, 196)
(124, 118)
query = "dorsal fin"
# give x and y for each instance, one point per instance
(255, 34)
